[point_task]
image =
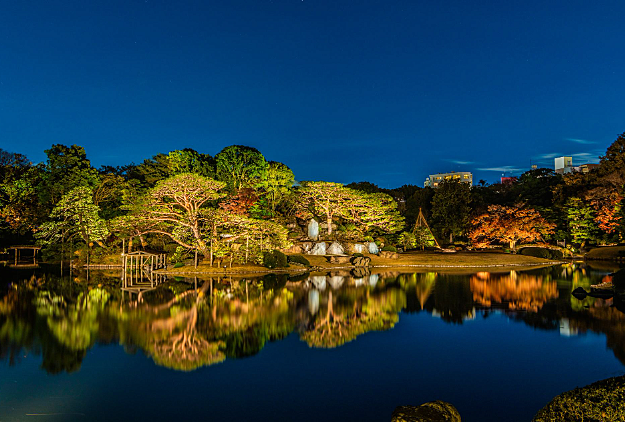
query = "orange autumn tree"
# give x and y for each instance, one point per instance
(510, 225)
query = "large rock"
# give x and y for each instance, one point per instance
(600, 401)
(339, 259)
(373, 248)
(359, 248)
(335, 249)
(297, 249)
(389, 255)
(361, 261)
(434, 411)
(318, 249)
(313, 229)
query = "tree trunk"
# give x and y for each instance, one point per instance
(451, 238)
(329, 224)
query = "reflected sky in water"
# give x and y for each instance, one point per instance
(336, 346)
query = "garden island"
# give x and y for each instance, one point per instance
(195, 259)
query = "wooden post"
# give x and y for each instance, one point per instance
(16, 257)
(211, 257)
(195, 260)
(247, 247)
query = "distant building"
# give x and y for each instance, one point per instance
(508, 180)
(564, 165)
(585, 168)
(462, 176)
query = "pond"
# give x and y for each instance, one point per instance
(333, 347)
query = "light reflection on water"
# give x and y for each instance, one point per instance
(188, 324)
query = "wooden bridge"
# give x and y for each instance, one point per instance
(138, 274)
(18, 249)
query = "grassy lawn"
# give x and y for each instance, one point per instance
(459, 260)
(606, 252)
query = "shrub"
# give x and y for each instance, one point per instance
(542, 253)
(179, 264)
(389, 248)
(281, 258)
(274, 259)
(407, 240)
(298, 259)
(356, 254)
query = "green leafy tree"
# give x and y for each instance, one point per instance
(75, 216)
(66, 169)
(366, 187)
(178, 208)
(326, 199)
(280, 180)
(334, 202)
(407, 240)
(614, 158)
(151, 171)
(535, 188)
(241, 167)
(451, 209)
(190, 161)
(374, 212)
(581, 221)
(420, 199)
(20, 210)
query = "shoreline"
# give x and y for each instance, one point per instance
(463, 262)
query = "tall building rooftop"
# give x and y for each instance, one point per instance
(435, 179)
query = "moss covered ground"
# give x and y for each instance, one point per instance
(607, 252)
(602, 401)
(469, 261)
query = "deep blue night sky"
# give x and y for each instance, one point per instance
(383, 91)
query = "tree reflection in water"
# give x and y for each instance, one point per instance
(351, 312)
(173, 340)
(186, 324)
(514, 291)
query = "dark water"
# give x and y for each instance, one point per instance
(340, 347)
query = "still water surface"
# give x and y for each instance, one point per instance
(333, 347)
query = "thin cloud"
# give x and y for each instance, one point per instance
(587, 156)
(550, 155)
(462, 163)
(503, 169)
(580, 141)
